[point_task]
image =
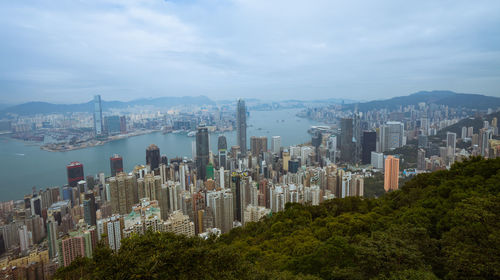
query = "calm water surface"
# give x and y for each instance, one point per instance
(24, 165)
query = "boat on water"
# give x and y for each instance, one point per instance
(191, 134)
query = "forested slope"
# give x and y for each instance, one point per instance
(441, 225)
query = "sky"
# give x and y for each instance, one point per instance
(66, 51)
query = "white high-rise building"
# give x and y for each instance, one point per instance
(25, 238)
(255, 213)
(332, 148)
(113, 227)
(451, 142)
(221, 177)
(221, 203)
(193, 150)
(276, 144)
(295, 151)
(377, 160)
(391, 136)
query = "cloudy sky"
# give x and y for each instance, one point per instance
(66, 51)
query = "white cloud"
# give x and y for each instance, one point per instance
(267, 49)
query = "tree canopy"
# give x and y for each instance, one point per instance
(440, 225)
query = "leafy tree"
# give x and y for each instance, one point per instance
(440, 225)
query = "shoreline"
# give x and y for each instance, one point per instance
(52, 147)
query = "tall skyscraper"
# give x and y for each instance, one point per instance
(276, 144)
(36, 206)
(258, 145)
(113, 228)
(470, 131)
(421, 159)
(451, 143)
(98, 131)
(123, 193)
(153, 156)
(391, 173)
(221, 204)
(123, 124)
(241, 126)
(369, 146)
(89, 209)
(116, 164)
(346, 144)
(316, 141)
(75, 173)
(485, 136)
(356, 136)
(202, 151)
(332, 148)
(52, 236)
(112, 125)
(391, 136)
(222, 149)
(70, 248)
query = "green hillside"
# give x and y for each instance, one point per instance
(476, 122)
(441, 225)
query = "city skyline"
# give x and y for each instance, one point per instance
(128, 49)
(249, 139)
(214, 192)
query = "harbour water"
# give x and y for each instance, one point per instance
(24, 165)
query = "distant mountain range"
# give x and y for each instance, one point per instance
(449, 98)
(31, 108)
(260, 101)
(452, 99)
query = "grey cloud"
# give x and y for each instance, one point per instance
(69, 50)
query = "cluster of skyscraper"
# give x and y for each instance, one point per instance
(216, 190)
(212, 193)
(110, 125)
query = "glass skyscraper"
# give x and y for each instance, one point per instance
(241, 126)
(202, 151)
(97, 116)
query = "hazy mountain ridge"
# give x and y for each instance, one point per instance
(30, 108)
(438, 97)
(449, 98)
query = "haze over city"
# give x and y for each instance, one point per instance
(249, 139)
(68, 51)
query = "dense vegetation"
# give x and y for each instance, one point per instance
(374, 186)
(441, 225)
(407, 155)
